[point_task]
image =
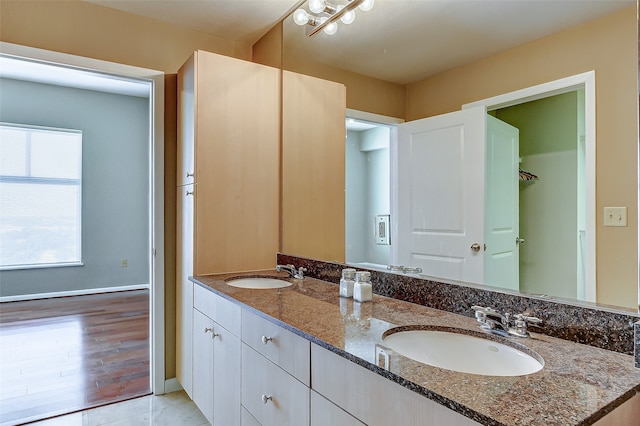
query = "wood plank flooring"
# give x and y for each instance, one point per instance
(67, 354)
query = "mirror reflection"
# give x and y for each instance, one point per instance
(448, 54)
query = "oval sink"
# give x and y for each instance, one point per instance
(258, 283)
(462, 352)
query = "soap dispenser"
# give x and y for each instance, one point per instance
(347, 282)
(362, 290)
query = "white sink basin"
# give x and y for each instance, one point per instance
(258, 282)
(462, 352)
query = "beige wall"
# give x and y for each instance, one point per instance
(93, 31)
(268, 50)
(608, 46)
(363, 93)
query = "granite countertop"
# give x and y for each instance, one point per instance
(578, 385)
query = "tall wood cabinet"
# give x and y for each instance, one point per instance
(313, 167)
(228, 178)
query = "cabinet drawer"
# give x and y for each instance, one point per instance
(373, 399)
(247, 419)
(288, 399)
(219, 309)
(324, 412)
(287, 350)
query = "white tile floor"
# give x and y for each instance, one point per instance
(171, 409)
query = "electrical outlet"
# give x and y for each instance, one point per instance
(615, 216)
(124, 263)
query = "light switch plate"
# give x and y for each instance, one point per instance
(382, 229)
(615, 216)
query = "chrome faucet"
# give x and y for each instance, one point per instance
(291, 269)
(504, 324)
(404, 269)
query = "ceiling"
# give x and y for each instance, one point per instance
(241, 20)
(46, 73)
(400, 41)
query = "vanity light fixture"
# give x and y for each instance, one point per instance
(325, 15)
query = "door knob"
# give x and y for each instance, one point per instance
(475, 247)
(519, 240)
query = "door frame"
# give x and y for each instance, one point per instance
(156, 183)
(392, 123)
(587, 82)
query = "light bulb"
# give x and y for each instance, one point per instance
(331, 29)
(301, 17)
(348, 17)
(366, 5)
(316, 6)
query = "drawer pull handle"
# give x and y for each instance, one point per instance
(266, 398)
(266, 339)
(213, 335)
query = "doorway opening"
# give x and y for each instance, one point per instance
(564, 160)
(83, 75)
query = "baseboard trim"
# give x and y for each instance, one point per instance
(172, 385)
(81, 292)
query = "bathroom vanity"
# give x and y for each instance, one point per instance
(303, 355)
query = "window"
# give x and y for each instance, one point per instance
(40, 196)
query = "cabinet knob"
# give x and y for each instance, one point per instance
(213, 334)
(189, 174)
(266, 398)
(266, 339)
(189, 192)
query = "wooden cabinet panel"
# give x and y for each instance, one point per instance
(237, 157)
(186, 118)
(313, 198)
(229, 143)
(289, 351)
(626, 414)
(289, 399)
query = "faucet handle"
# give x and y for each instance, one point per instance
(527, 319)
(521, 322)
(300, 273)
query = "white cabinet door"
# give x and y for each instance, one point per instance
(367, 396)
(226, 377)
(270, 394)
(203, 363)
(324, 412)
(184, 287)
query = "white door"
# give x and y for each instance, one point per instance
(440, 198)
(501, 258)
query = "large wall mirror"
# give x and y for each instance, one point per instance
(411, 60)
